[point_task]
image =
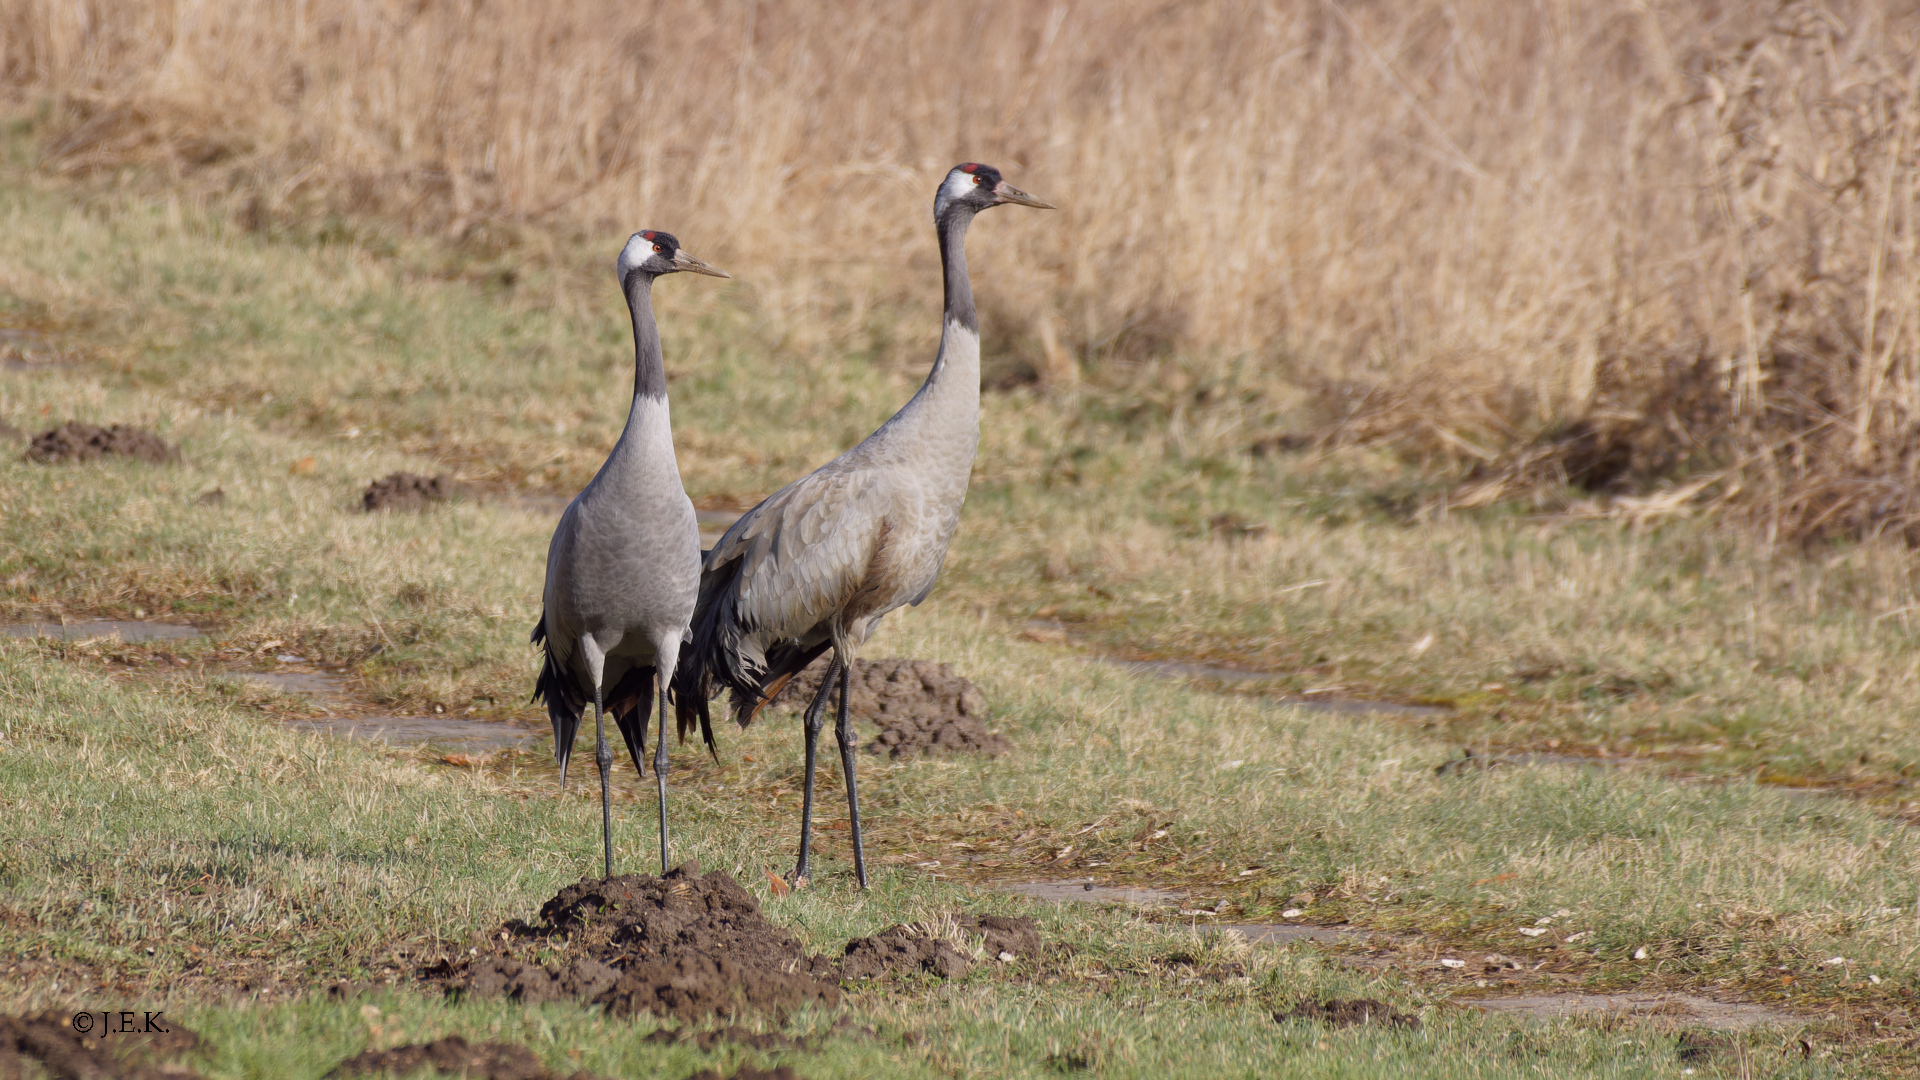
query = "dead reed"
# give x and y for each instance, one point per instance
(1612, 243)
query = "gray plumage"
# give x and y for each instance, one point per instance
(820, 561)
(623, 568)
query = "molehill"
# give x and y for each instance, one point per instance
(83, 442)
(691, 945)
(919, 706)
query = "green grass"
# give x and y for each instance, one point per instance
(164, 832)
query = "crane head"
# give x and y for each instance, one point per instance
(976, 187)
(653, 253)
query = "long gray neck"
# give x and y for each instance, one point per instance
(960, 316)
(649, 371)
(953, 261)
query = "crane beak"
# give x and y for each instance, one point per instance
(1004, 192)
(684, 261)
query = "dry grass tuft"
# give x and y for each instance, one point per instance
(1505, 236)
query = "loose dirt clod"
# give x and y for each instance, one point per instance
(906, 950)
(65, 1053)
(686, 945)
(406, 491)
(918, 705)
(903, 950)
(1349, 1013)
(454, 1056)
(84, 442)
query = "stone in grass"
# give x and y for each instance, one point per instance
(919, 706)
(84, 442)
(406, 491)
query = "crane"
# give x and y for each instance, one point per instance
(820, 561)
(623, 568)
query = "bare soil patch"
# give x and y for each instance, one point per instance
(1349, 1013)
(72, 442)
(920, 706)
(51, 1041)
(454, 1056)
(406, 491)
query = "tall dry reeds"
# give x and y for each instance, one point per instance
(1627, 237)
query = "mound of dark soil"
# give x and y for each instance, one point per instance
(102, 1054)
(1349, 1013)
(690, 945)
(406, 491)
(902, 950)
(899, 950)
(919, 706)
(454, 1056)
(686, 945)
(84, 442)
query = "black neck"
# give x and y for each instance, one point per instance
(952, 227)
(649, 371)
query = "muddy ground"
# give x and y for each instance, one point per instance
(691, 945)
(920, 706)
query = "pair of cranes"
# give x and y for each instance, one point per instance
(635, 612)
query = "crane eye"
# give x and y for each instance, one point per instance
(656, 247)
(978, 179)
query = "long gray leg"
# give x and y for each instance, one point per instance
(660, 766)
(843, 731)
(813, 723)
(603, 757)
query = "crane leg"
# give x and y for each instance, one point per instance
(813, 723)
(603, 757)
(660, 766)
(843, 732)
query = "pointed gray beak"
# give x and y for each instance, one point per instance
(1007, 193)
(684, 261)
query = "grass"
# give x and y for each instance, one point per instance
(1625, 243)
(154, 806)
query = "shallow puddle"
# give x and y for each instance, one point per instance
(469, 735)
(26, 350)
(1682, 1009)
(297, 682)
(1280, 933)
(442, 731)
(125, 630)
(1082, 892)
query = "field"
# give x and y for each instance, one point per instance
(1671, 725)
